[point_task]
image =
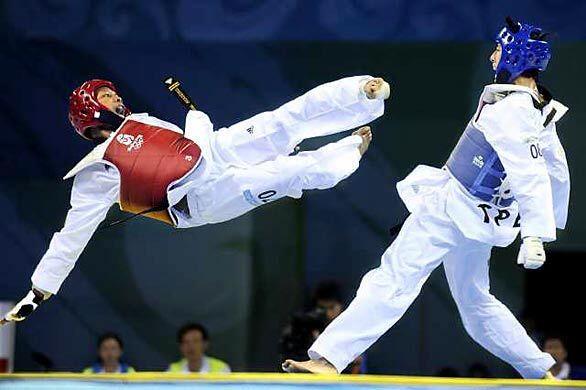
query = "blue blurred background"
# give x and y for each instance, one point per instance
(243, 279)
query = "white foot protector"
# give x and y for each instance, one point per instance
(384, 92)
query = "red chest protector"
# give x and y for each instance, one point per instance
(149, 158)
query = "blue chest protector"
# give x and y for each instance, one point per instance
(475, 164)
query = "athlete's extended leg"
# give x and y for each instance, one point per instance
(485, 318)
(385, 293)
(240, 190)
(329, 108)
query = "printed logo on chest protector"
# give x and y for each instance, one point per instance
(478, 161)
(133, 143)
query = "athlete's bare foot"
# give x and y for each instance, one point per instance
(317, 366)
(366, 135)
(377, 88)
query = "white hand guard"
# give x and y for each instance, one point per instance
(383, 93)
(531, 254)
(26, 306)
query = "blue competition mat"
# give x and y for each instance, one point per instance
(242, 381)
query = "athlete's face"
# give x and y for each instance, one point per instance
(109, 98)
(495, 57)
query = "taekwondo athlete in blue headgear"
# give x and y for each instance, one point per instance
(507, 174)
(523, 48)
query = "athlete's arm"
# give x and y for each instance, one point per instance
(510, 126)
(559, 174)
(94, 190)
(197, 121)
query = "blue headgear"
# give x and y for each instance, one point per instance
(523, 48)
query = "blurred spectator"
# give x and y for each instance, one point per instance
(110, 349)
(193, 342)
(554, 345)
(327, 297)
(478, 370)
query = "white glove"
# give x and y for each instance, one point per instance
(26, 306)
(382, 88)
(531, 254)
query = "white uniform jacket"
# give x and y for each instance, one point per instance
(526, 141)
(95, 189)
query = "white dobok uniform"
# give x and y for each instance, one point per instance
(243, 166)
(450, 226)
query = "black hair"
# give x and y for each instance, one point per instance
(188, 328)
(110, 335)
(328, 290)
(532, 73)
(554, 336)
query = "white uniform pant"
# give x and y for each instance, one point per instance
(253, 155)
(385, 293)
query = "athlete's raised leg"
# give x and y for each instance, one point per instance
(329, 108)
(240, 190)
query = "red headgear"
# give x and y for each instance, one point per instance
(84, 108)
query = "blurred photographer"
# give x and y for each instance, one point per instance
(301, 332)
(304, 328)
(328, 298)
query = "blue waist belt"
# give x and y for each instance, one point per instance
(476, 165)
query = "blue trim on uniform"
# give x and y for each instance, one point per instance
(250, 198)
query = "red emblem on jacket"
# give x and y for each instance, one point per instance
(149, 158)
